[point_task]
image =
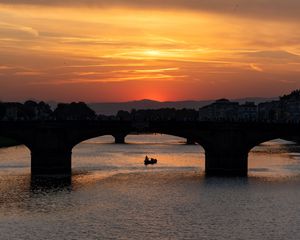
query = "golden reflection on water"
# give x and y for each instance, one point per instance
(113, 195)
(100, 158)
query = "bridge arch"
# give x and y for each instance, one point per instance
(187, 136)
(268, 156)
(14, 155)
(170, 150)
(270, 137)
(259, 143)
(186, 139)
(121, 135)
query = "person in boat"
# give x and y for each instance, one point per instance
(150, 161)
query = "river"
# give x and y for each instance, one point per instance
(112, 195)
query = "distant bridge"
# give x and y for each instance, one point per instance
(226, 144)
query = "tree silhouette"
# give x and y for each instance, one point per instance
(74, 111)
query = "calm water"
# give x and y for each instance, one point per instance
(114, 196)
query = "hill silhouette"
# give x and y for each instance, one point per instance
(111, 108)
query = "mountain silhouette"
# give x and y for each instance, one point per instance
(111, 108)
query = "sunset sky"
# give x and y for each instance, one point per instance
(119, 50)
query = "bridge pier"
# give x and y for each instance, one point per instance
(226, 163)
(51, 153)
(120, 138)
(51, 162)
(226, 153)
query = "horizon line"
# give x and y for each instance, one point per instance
(140, 100)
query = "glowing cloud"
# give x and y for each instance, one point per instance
(119, 50)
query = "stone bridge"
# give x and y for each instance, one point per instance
(226, 144)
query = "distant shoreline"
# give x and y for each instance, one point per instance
(5, 142)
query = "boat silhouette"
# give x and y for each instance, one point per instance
(151, 161)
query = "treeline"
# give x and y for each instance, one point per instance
(293, 96)
(286, 109)
(31, 110)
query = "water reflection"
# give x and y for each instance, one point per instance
(112, 195)
(40, 185)
(221, 182)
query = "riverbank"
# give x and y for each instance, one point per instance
(6, 142)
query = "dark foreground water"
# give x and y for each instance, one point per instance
(114, 196)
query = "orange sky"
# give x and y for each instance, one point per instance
(87, 50)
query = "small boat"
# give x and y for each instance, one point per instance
(150, 161)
